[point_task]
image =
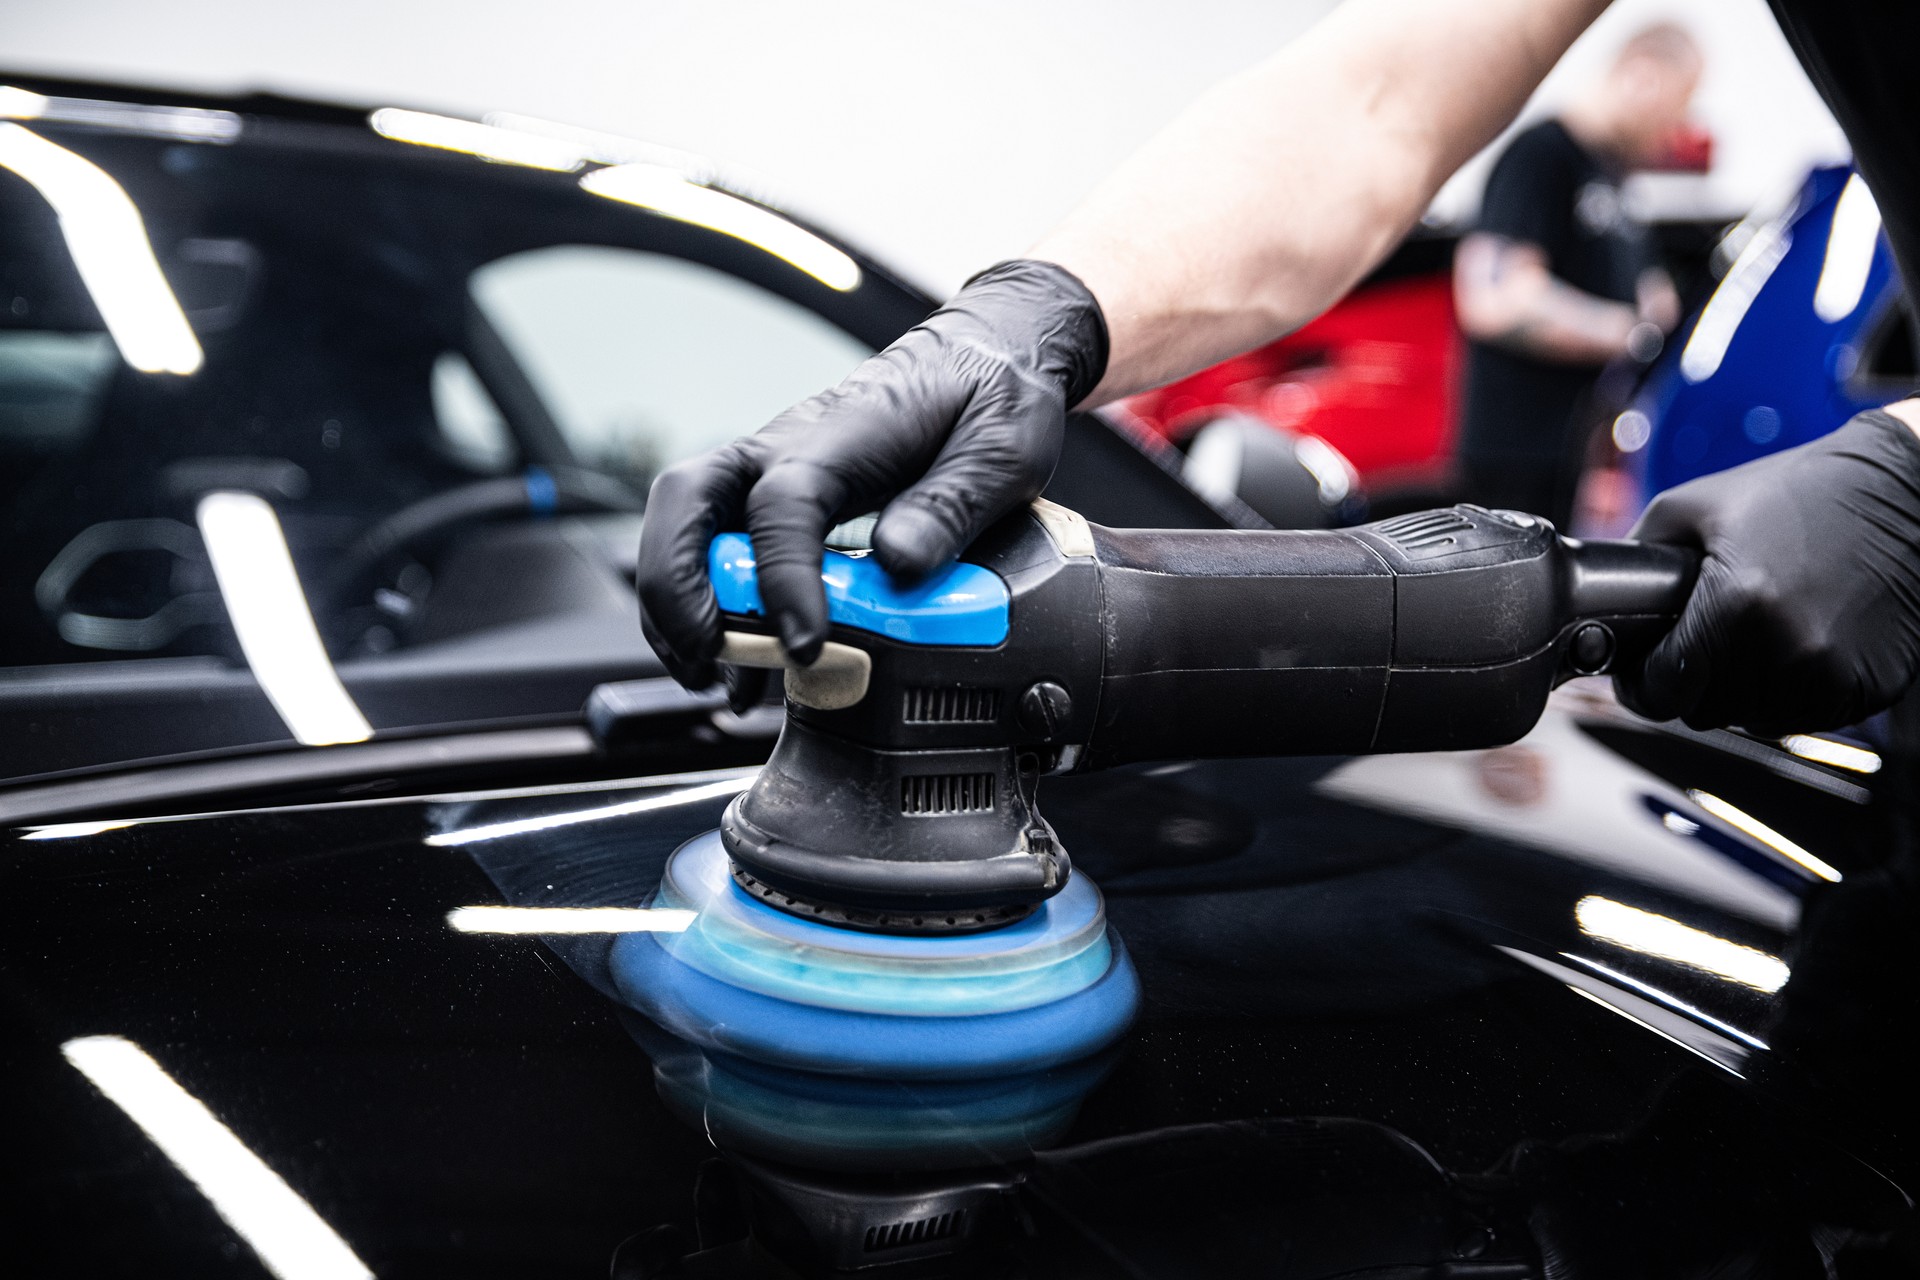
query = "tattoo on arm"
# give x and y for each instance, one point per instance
(1507, 297)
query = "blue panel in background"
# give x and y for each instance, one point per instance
(1783, 374)
(963, 604)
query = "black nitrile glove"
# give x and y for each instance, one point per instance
(1807, 612)
(951, 427)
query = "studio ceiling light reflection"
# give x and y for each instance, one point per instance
(191, 124)
(108, 242)
(600, 147)
(559, 920)
(1839, 755)
(72, 830)
(1614, 1008)
(1656, 935)
(21, 104)
(1666, 998)
(270, 616)
(551, 821)
(292, 1241)
(666, 192)
(1742, 821)
(1851, 241)
(1720, 318)
(470, 137)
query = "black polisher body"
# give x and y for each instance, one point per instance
(913, 809)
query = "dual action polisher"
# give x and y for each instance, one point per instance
(886, 900)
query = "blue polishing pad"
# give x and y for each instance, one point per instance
(739, 940)
(749, 980)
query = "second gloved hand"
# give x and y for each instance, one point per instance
(951, 427)
(1807, 612)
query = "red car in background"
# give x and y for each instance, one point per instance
(1377, 377)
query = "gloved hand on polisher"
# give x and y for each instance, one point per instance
(1807, 612)
(951, 427)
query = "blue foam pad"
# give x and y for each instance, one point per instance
(748, 980)
(738, 939)
(763, 1028)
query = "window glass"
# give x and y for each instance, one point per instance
(645, 359)
(50, 387)
(471, 426)
(372, 336)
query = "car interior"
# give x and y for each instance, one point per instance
(452, 382)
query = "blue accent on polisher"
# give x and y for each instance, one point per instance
(874, 1005)
(962, 604)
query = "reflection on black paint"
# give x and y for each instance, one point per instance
(474, 1104)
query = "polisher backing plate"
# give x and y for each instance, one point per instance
(892, 1038)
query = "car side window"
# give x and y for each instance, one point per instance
(644, 359)
(51, 385)
(473, 431)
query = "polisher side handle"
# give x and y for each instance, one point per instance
(1440, 630)
(1625, 597)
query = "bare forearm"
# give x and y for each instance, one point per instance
(1565, 325)
(1908, 411)
(1506, 296)
(1265, 202)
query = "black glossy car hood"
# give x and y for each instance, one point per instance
(1446, 1014)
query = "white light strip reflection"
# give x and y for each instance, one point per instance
(1850, 244)
(69, 830)
(1214, 463)
(611, 148)
(1668, 939)
(1648, 1026)
(21, 104)
(196, 124)
(489, 142)
(1679, 824)
(270, 615)
(666, 192)
(521, 826)
(1746, 822)
(109, 246)
(1328, 466)
(1826, 751)
(570, 919)
(1671, 1001)
(1720, 318)
(292, 1240)
(1662, 1016)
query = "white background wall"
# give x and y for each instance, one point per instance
(941, 136)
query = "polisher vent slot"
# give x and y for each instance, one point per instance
(897, 1235)
(935, 793)
(1425, 530)
(957, 704)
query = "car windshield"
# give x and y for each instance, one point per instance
(397, 356)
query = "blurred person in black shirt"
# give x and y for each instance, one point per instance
(1259, 207)
(1558, 279)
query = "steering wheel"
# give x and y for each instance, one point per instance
(416, 529)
